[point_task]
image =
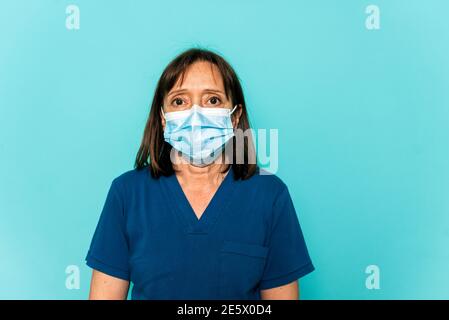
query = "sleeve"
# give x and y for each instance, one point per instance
(288, 258)
(108, 250)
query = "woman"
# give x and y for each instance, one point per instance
(184, 224)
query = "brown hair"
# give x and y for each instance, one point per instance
(154, 152)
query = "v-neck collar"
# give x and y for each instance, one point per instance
(180, 205)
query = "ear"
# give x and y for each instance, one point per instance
(236, 115)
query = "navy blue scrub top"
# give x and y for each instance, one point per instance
(247, 239)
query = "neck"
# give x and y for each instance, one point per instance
(200, 176)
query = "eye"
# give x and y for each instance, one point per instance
(177, 102)
(214, 100)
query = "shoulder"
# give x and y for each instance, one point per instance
(132, 180)
(269, 191)
(132, 175)
(266, 182)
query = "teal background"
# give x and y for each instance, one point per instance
(363, 119)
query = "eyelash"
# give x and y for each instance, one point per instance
(177, 98)
(219, 100)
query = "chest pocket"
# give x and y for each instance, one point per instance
(241, 269)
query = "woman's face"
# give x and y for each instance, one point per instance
(202, 85)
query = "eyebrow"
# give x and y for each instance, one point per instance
(185, 90)
(214, 91)
(176, 92)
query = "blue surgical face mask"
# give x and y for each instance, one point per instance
(199, 133)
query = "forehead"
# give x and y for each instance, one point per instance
(201, 74)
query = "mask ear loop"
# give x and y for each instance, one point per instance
(163, 144)
(233, 109)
